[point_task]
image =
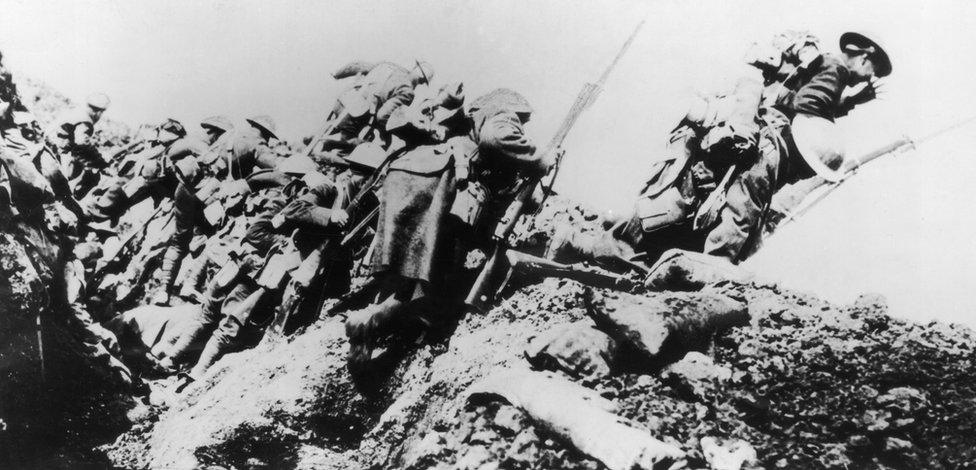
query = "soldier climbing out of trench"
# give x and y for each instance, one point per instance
(151, 173)
(732, 153)
(436, 199)
(361, 112)
(73, 137)
(206, 181)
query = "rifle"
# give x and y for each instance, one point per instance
(850, 168)
(479, 296)
(120, 153)
(314, 265)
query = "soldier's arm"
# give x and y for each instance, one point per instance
(820, 97)
(401, 96)
(82, 134)
(315, 208)
(184, 148)
(504, 136)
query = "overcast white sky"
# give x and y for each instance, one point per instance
(903, 227)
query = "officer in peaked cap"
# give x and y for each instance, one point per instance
(805, 143)
(857, 44)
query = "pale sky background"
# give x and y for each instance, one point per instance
(902, 228)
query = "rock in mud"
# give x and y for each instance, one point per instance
(731, 455)
(578, 349)
(696, 375)
(660, 325)
(679, 270)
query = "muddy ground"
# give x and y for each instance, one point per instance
(805, 384)
(812, 385)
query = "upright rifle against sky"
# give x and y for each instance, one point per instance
(479, 296)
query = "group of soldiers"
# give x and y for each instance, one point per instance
(405, 179)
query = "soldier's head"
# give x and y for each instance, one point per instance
(500, 100)
(170, 131)
(864, 57)
(264, 125)
(422, 72)
(29, 127)
(449, 109)
(97, 104)
(216, 126)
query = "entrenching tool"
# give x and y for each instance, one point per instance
(481, 292)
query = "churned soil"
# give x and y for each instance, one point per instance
(812, 385)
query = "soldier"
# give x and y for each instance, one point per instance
(243, 296)
(799, 139)
(435, 196)
(369, 103)
(149, 172)
(206, 181)
(715, 147)
(718, 132)
(73, 138)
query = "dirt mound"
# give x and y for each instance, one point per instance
(806, 385)
(73, 399)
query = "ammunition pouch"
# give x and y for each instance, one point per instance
(469, 204)
(668, 208)
(227, 273)
(283, 259)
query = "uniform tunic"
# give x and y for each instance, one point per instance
(415, 234)
(814, 92)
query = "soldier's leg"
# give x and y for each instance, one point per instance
(365, 326)
(174, 254)
(746, 199)
(229, 333)
(202, 327)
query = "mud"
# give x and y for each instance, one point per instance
(813, 385)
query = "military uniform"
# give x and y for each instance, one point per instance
(436, 201)
(370, 102)
(703, 151)
(204, 180)
(815, 91)
(241, 304)
(73, 136)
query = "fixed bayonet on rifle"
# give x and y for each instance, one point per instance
(481, 292)
(850, 168)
